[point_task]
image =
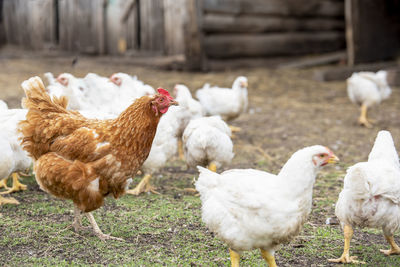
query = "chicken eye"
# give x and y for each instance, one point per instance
(322, 155)
(161, 99)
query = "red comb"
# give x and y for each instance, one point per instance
(163, 92)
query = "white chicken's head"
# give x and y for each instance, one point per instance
(240, 82)
(181, 90)
(162, 101)
(64, 79)
(322, 156)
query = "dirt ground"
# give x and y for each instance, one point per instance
(287, 111)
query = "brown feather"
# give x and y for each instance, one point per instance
(71, 152)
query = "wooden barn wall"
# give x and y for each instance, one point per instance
(152, 25)
(174, 18)
(2, 30)
(81, 25)
(268, 28)
(29, 24)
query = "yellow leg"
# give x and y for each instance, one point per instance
(394, 248)
(235, 129)
(3, 183)
(11, 200)
(180, 150)
(235, 258)
(363, 117)
(17, 186)
(212, 167)
(143, 187)
(269, 258)
(345, 258)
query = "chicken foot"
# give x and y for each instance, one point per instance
(268, 257)
(143, 187)
(3, 183)
(11, 200)
(180, 150)
(77, 223)
(394, 248)
(345, 258)
(97, 230)
(363, 120)
(235, 258)
(17, 186)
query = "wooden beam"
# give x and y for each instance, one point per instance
(329, 8)
(193, 36)
(277, 44)
(228, 23)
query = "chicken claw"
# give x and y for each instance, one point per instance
(97, 230)
(234, 129)
(143, 187)
(17, 186)
(346, 259)
(394, 248)
(3, 183)
(11, 200)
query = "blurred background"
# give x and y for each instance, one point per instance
(208, 34)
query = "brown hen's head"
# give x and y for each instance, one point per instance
(162, 101)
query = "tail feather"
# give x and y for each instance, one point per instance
(207, 180)
(46, 118)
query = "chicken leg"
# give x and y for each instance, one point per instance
(234, 129)
(235, 258)
(143, 187)
(17, 186)
(345, 258)
(394, 248)
(11, 200)
(180, 150)
(363, 117)
(3, 183)
(268, 257)
(97, 230)
(212, 167)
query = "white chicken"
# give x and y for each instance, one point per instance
(14, 159)
(130, 88)
(100, 93)
(207, 142)
(164, 147)
(192, 109)
(229, 103)
(73, 88)
(371, 196)
(251, 209)
(367, 89)
(3, 105)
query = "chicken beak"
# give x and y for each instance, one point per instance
(173, 102)
(333, 159)
(245, 84)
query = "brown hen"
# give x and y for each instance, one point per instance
(86, 159)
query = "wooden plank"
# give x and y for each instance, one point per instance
(329, 8)
(132, 28)
(193, 36)
(312, 61)
(277, 44)
(372, 30)
(30, 24)
(227, 23)
(116, 32)
(152, 25)
(82, 26)
(174, 17)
